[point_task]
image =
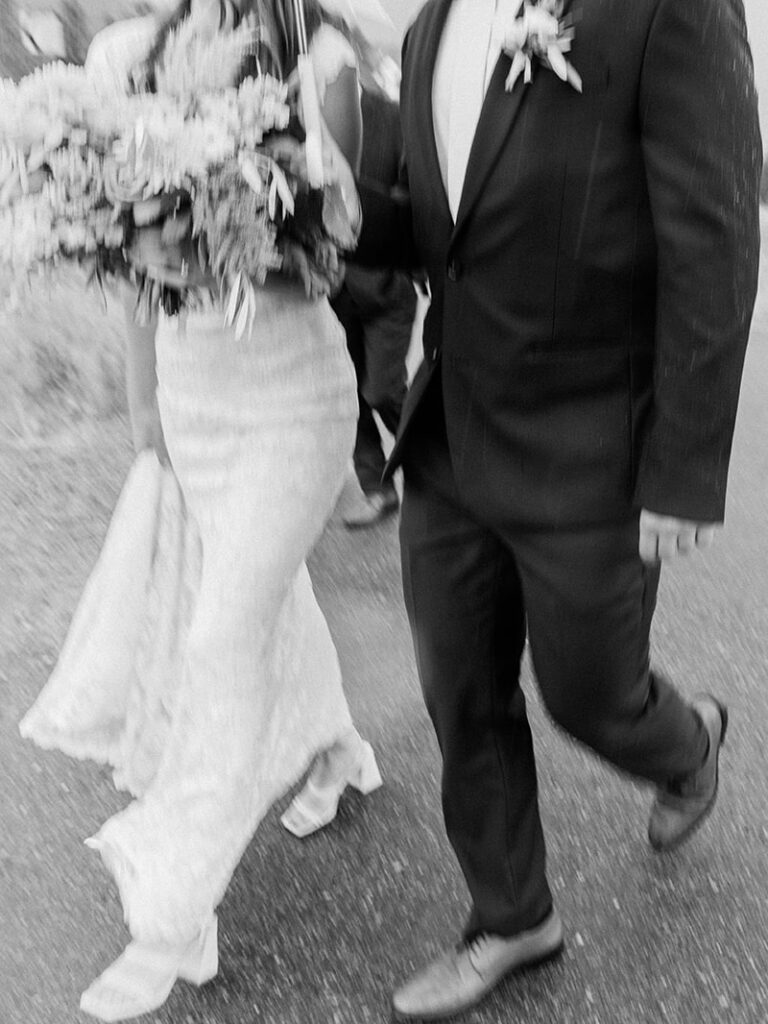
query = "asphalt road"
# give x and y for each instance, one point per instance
(317, 932)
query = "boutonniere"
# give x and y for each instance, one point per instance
(538, 33)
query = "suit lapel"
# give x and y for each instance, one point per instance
(497, 117)
(498, 114)
(425, 43)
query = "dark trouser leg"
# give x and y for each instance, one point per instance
(387, 340)
(368, 454)
(463, 599)
(385, 307)
(589, 601)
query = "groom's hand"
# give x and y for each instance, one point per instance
(666, 537)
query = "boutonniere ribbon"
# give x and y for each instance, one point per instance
(538, 33)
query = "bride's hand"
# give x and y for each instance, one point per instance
(149, 253)
(157, 251)
(288, 150)
(292, 155)
(317, 284)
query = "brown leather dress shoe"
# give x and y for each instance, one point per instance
(461, 977)
(683, 805)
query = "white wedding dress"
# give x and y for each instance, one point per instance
(198, 663)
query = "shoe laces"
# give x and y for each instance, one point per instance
(474, 946)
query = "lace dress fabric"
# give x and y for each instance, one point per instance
(208, 677)
(198, 663)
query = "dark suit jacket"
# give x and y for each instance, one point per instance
(382, 138)
(377, 289)
(591, 304)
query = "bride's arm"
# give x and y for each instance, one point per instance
(341, 112)
(111, 56)
(141, 384)
(338, 86)
(343, 137)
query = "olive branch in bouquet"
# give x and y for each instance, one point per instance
(254, 210)
(311, 226)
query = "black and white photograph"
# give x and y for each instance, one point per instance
(383, 545)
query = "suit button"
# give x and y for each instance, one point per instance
(435, 354)
(453, 271)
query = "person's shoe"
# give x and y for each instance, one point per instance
(317, 803)
(141, 979)
(461, 977)
(371, 509)
(683, 805)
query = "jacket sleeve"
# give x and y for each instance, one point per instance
(386, 238)
(701, 148)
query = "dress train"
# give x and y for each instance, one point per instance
(199, 664)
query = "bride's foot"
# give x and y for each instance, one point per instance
(141, 979)
(349, 762)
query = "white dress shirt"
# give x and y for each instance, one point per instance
(465, 62)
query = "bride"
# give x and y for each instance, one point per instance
(212, 704)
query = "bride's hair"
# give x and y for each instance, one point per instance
(277, 48)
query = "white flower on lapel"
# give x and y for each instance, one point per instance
(537, 33)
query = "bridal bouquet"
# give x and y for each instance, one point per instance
(206, 164)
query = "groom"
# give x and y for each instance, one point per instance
(592, 257)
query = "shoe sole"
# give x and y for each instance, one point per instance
(538, 961)
(366, 785)
(696, 825)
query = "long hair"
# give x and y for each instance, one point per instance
(277, 47)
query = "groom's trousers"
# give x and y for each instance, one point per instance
(473, 591)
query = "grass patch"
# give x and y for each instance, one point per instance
(61, 359)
